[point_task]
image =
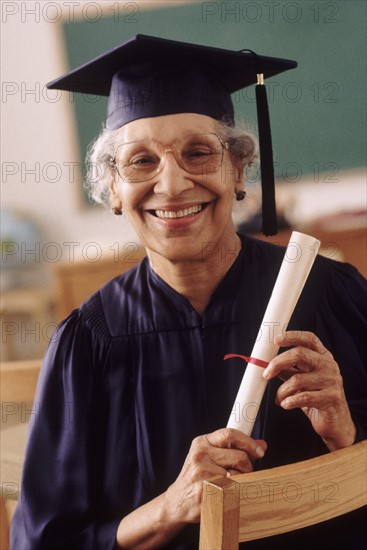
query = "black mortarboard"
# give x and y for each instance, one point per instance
(148, 76)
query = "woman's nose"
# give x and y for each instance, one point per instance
(172, 180)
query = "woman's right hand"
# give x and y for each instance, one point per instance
(224, 451)
(158, 521)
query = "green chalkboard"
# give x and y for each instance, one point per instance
(318, 111)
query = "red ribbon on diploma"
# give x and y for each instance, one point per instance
(253, 360)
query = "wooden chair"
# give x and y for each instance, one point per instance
(260, 504)
(4, 527)
(18, 380)
(76, 281)
(346, 245)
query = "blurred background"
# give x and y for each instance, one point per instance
(57, 247)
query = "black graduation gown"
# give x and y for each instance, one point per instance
(133, 375)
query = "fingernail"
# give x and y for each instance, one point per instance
(259, 451)
(266, 373)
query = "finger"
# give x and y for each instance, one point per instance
(235, 439)
(300, 338)
(205, 460)
(249, 466)
(304, 382)
(262, 443)
(293, 360)
(196, 471)
(232, 472)
(320, 400)
(232, 459)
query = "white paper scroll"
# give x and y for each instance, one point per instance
(297, 263)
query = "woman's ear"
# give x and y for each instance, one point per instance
(112, 187)
(240, 183)
(115, 201)
(239, 190)
(240, 175)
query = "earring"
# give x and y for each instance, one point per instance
(117, 210)
(240, 195)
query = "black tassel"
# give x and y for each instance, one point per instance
(269, 215)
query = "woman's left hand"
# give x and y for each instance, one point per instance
(313, 383)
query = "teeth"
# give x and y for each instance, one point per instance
(178, 213)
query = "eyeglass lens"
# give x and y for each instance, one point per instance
(143, 159)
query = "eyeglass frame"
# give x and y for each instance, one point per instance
(113, 164)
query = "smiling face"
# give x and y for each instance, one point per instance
(176, 213)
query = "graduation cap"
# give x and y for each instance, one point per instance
(147, 76)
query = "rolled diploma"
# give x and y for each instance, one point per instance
(297, 263)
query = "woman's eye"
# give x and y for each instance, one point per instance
(198, 153)
(142, 161)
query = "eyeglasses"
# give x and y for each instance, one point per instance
(198, 154)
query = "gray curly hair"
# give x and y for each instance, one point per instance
(243, 149)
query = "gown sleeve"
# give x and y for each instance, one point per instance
(347, 328)
(340, 322)
(59, 505)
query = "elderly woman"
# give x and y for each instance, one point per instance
(134, 395)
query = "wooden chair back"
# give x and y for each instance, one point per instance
(18, 380)
(260, 504)
(345, 245)
(76, 281)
